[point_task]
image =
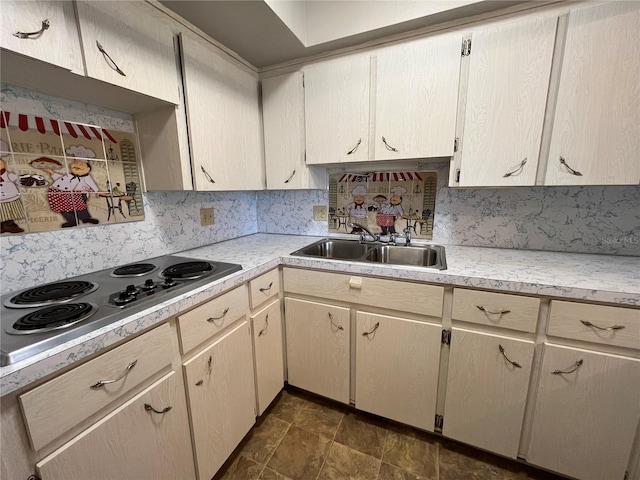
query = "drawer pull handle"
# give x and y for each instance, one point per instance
(199, 382)
(372, 332)
(23, 35)
(290, 177)
(339, 327)
(387, 146)
(102, 383)
(209, 363)
(206, 174)
(571, 170)
(517, 171)
(266, 325)
(576, 366)
(263, 289)
(213, 319)
(613, 327)
(149, 408)
(515, 364)
(109, 60)
(353, 150)
(489, 312)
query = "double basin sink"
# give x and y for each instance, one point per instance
(430, 256)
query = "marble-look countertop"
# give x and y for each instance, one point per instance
(600, 278)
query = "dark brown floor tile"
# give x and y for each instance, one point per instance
(269, 474)
(263, 439)
(287, 405)
(344, 463)
(416, 453)
(389, 472)
(240, 469)
(363, 433)
(322, 420)
(300, 454)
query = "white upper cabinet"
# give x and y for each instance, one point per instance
(416, 98)
(337, 111)
(128, 44)
(596, 133)
(223, 112)
(45, 31)
(506, 97)
(284, 135)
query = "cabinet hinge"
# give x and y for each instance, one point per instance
(303, 80)
(305, 156)
(458, 176)
(455, 144)
(466, 47)
(446, 337)
(439, 423)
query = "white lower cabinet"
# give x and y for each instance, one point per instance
(586, 413)
(397, 363)
(145, 438)
(221, 393)
(318, 348)
(487, 384)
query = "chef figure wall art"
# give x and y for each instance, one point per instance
(384, 202)
(60, 175)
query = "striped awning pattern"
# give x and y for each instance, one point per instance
(381, 177)
(47, 125)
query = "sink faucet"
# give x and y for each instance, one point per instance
(376, 238)
(407, 236)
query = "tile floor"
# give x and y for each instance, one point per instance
(304, 437)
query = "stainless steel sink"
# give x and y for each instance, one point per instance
(429, 256)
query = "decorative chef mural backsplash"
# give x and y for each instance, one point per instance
(57, 174)
(384, 202)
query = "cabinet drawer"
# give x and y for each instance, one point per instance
(497, 309)
(595, 323)
(376, 292)
(264, 287)
(203, 322)
(57, 406)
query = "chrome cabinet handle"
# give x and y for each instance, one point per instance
(213, 319)
(387, 146)
(353, 150)
(612, 327)
(489, 312)
(264, 330)
(290, 177)
(266, 289)
(102, 383)
(576, 366)
(515, 364)
(373, 331)
(149, 408)
(23, 35)
(517, 171)
(339, 327)
(109, 60)
(211, 180)
(571, 170)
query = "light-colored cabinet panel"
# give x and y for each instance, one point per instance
(337, 111)
(58, 43)
(284, 135)
(225, 127)
(397, 364)
(507, 89)
(595, 129)
(317, 339)
(584, 420)
(268, 347)
(264, 287)
(486, 391)
(416, 98)
(221, 393)
(135, 41)
(131, 443)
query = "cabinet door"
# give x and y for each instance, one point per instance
(132, 442)
(397, 362)
(267, 342)
(224, 119)
(416, 98)
(58, 44)
(584, 421)
(486, 392)
(318, 348)
(506, 100)
(221, 390)
(336, 98)
(135, 40)
(595, 130)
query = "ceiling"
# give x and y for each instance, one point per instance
(253, 29)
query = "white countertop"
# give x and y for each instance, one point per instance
(600, 278)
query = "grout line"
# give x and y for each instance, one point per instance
(333, 441)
